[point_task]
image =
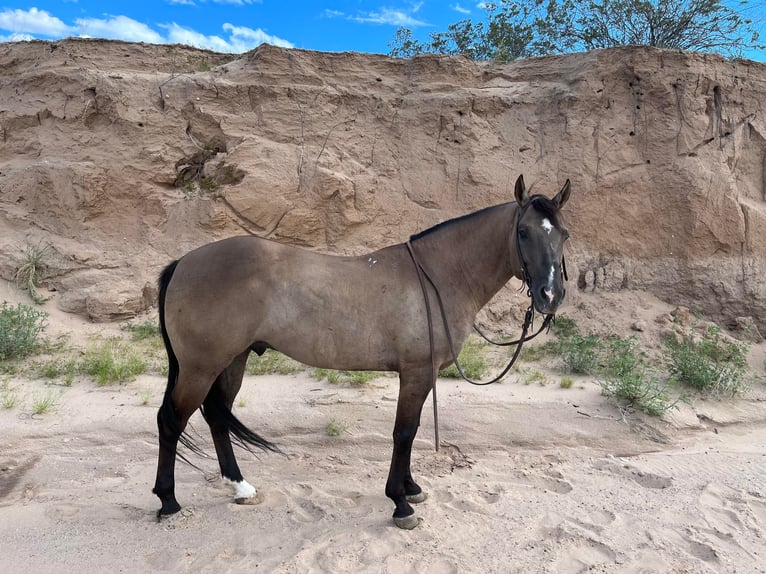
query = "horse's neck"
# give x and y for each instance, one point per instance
(473, 255)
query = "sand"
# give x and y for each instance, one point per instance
(529, 478)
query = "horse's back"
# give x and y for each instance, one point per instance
(323, 310)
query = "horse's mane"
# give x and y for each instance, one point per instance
(543, 204)
(449, 222)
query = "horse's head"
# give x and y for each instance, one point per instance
(539, 237)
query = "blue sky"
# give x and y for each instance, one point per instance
(234, 25)
(240, 25)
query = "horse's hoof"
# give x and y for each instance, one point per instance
(257, 498)
(406, 522)
(168, 509)
(416, 498)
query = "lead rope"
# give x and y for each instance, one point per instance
(528, 321)
(420, 271)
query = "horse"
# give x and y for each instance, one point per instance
(246, 294)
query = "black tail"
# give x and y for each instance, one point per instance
(167, 417)
(215, 407)
(215, 404)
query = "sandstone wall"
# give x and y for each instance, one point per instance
(101, 143)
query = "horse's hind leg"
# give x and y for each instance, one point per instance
(221, 396)
(177, 406)
(400, 487)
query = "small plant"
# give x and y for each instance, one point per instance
(335, 427)
(31, 267)
(144, 397)
(352, 378)
(272, 362)
(20, 328)
(8, 395)
(141, 331)
(712, 364)
(111, 361)
(241, 402)
(566, 382)
(58, 368)
(581, 354)
(626, 375)
(564, 327)
(472, 359)
(42, 403)
(536, 377)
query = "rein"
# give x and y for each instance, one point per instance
(528, 323)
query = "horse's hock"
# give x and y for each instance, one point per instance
(348, 152)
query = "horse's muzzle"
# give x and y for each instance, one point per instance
(546, 300)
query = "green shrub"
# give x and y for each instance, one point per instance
(566, 382)
(353, 378)
(20, 328)
(30, 269)
(581, 354)
(112, 360)
(141, 331)
(335, 427)
(272, 362)
(712, 364)
(627, 375)
(472, 359)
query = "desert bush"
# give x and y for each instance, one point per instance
(20, 329)
(627, 375)
(352, 378)
(472, 359)
(581, 353)
(272, 362)
(140, 331)
(111, 360)
(30, 269)
(335, 427)
(712, 363)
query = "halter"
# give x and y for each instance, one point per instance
(529, 318)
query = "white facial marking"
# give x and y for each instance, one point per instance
(547, 225)
(242, 489)
(549, 291)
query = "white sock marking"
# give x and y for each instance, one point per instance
(242, 489)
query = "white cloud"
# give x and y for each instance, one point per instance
(252, 38)
(118, 28)
(33, 21)
(26, 25)
(17, 38)
(459, 8)
(387, 16)
(239, 38)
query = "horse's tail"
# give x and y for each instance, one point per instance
(168, 421)
(214, 405)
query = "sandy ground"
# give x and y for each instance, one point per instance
(529, 478)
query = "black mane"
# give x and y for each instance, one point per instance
(448, 222)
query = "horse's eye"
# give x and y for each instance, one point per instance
(523, 233)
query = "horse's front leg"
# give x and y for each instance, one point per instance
(414, 387)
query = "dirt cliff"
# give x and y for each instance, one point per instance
(122, 156)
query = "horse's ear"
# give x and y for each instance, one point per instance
(563, 195)
(521, 192)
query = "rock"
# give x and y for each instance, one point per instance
(682, 316)
(639, 326)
